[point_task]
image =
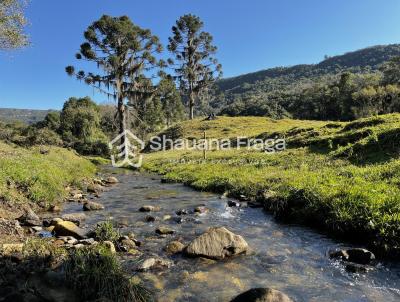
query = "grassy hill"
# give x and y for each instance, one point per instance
(343, 177)
(28, 116)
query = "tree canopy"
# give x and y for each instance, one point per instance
(193, 58)
(12, 24)
(124, 53)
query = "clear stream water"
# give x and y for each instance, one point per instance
(289, 258)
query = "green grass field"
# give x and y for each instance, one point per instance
(40, 174)
(342, 177)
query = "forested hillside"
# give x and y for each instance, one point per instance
(297, 91)
(28, 116)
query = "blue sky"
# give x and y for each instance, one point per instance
(251, 35)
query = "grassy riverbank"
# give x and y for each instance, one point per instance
(33, 179)
(36, 178)
(40, 174)
(342, 177)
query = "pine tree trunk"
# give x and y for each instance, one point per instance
(121, 118)
(191, 106)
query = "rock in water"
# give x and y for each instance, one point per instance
(182, 212)
(233, 203)
(150, 218)
(355, 255)
(94, 188)
(357, 268)
(148, 208)
(217, 243)
(174, 247)
(76, 196)
(68, 228)
(76, 218)
(164, 230)
(92, 206)
(360, 256)
(201, 210)
(126, 244)
(262, 295)
(152, 263)
(111, 180)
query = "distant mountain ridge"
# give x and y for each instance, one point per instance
(363, 60)
(28, 116)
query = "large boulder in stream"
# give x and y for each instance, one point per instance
(217, 243)
(262, 295)
(68, 228)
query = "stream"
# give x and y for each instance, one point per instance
(289, 258)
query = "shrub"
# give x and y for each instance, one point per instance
(99, 148)
(96, 273)
(105, 231)
(44, 136)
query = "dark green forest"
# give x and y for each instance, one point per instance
(345, 87)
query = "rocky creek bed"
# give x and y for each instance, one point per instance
(289, 258)
(196, 246)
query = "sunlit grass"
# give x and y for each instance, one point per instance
(343, 177)
(40, 173)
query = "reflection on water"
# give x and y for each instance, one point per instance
(288, 258)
